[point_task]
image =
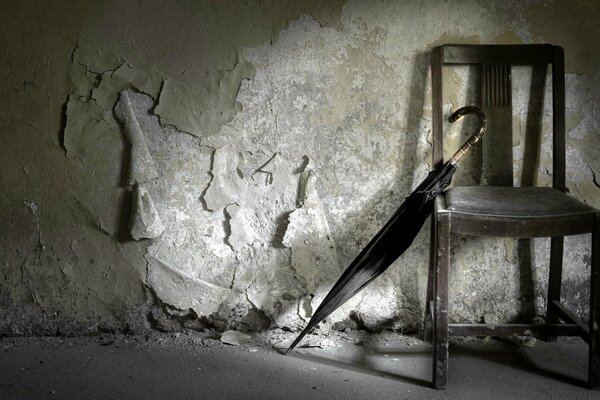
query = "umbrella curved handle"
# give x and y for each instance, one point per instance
(475, 137)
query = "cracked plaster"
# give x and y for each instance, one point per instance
(308, 124)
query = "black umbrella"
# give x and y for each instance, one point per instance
(397, 234)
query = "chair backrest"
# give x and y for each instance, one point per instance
(495, 62)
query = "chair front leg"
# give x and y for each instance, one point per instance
(554, 282)
(440, 318)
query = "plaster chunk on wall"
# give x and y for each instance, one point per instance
(82, 81)
(147, 81)
(82, 117)
(305, 174)
(226, 186)
(255, 192)
(192, 241)
(379, 306)
(141, 168)
(189, 249)
(241, 222)
(106, 92)
(183, 291)
(314, 254)
(201, 110)
(94, 146)
(237, 312)
(145, 222)
(305, 307)
(95, 59)
(271, 284)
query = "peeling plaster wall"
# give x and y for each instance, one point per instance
(255, 147)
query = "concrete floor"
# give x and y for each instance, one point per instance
(345, 366)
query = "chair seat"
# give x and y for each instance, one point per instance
(521, 202)
(524, 212)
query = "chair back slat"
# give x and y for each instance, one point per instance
(496, 99)
(495, 62)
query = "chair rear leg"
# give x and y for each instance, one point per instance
(554, 282)
(594, 349)
(428, 317)
(440, 301)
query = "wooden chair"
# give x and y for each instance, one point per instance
(505, 211)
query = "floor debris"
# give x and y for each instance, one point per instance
(234, 338)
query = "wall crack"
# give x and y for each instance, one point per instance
(212, 177)
(594, 179)
(227, 226)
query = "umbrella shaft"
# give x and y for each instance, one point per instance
(464, 149)
(476, 137)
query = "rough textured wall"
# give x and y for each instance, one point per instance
(252, 149)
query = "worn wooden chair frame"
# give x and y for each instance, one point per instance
(559, 320)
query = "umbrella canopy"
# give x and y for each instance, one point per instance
(397, 234)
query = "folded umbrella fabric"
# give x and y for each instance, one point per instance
(397, 234)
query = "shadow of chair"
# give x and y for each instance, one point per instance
(498, 209)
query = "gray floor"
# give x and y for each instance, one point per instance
(343, 366)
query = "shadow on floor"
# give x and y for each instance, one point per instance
(564, 362)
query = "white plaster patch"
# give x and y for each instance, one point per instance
(145, 223)
(314, 253)
(272, 284)
(226, 186)
(141, 168)
(183, 291)
(242, 222)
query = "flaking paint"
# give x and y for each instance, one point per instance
(273, 90)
